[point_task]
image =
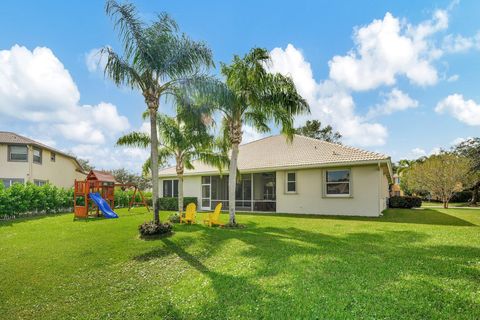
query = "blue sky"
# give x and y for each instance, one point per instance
(395, 77)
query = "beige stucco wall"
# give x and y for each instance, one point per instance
(364, 200)
(192, 186)
(17, 170)
(369, 191)
(61, 173)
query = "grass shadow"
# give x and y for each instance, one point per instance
(327, 265)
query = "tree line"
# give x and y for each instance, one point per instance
(440, 175)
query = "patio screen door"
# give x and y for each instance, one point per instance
(206, 193)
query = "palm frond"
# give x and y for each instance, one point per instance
(130, 27)
(135, 139)
(120, 71)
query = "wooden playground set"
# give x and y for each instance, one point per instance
(97, 193)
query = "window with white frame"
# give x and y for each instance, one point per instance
(39, 182)
(291, 185)
(8, 182)
(17, 153)
(170, 188)
(37, 155)
(337, 183)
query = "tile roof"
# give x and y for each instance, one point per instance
(275, 152)
(14, 138)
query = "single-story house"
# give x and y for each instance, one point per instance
(25, 160)
(304, 176)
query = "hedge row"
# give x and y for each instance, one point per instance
(405, 202)
(31, 199)
(122, 198)
(171, 203)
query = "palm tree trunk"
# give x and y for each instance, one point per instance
(232, 183)
(152, 108)
(180, 193)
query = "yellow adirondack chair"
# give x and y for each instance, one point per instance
(190, 213)
(213, 217)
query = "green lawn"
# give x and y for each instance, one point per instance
(422, 264)
(426, 204)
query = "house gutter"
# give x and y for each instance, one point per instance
(293, 167)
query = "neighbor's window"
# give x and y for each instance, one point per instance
(17, 153)
(52, 156)
(37, 155)
(39, 182)
(291, 182)
(8, 182)
(337, 183)
(170, 188)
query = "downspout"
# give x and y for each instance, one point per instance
(379, 188)
(30, 163)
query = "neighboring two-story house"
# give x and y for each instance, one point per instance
(25, 160)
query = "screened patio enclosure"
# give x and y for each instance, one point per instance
(254, 192)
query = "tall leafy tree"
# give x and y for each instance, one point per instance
(313, 129)
(254, 96)
(471, 149)
(441, 175)
(183, 138)
(156, 60)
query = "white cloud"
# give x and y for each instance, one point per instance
(250, 134)
(328, 101)
(291, 62)
(466, 111)
(459, 140)
(395, 100)
(458, 43)
(453, 78)
(418, 152)
(36, 87)
(95, 61)
(145, 127)
(38, 90)
(387, 48)
(106, 157)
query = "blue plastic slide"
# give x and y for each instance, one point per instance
(103, 205)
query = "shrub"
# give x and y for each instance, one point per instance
(174, 218)
(171, 203)
(462, 196)
(123, 197)
(406, 202)
(21, 199)
(152, 229)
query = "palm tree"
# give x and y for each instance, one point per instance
(156, 60)
(184, 138)
(254, 96)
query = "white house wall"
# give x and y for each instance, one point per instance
(310, 198)
(369, 191)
